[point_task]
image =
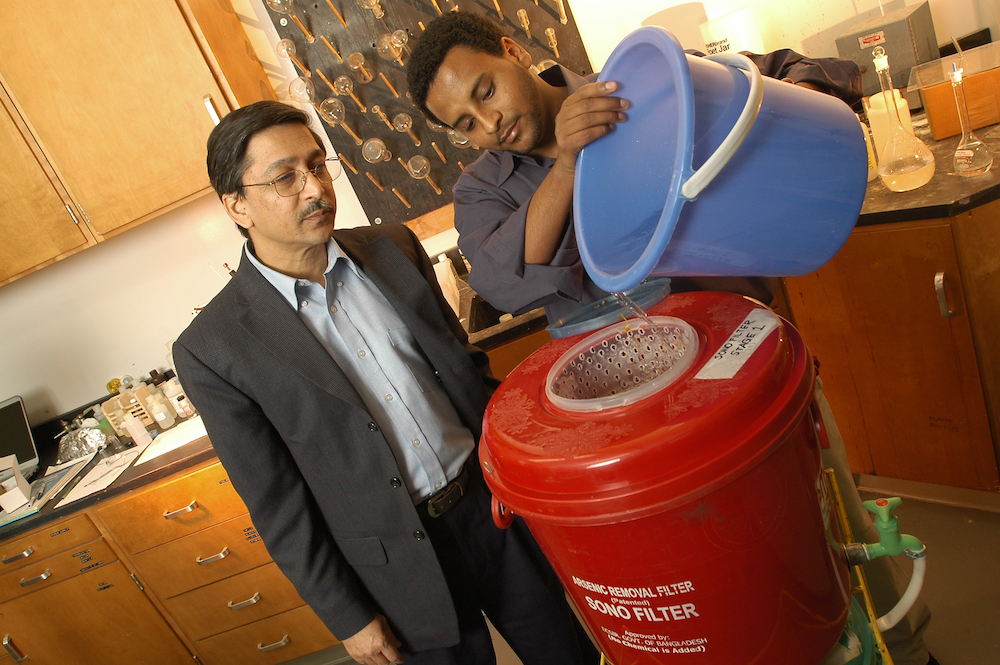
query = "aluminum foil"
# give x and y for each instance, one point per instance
(80, 443)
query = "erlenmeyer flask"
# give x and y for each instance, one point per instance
(972, 157)
(906, 163)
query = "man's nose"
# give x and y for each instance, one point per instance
(490, 120)
(314, 187)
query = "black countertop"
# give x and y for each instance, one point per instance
(946, 195)
(132, 478)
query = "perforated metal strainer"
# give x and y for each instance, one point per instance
(622, 364)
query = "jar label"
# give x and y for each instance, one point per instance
(736, 350)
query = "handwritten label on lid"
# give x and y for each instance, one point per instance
(735, 351)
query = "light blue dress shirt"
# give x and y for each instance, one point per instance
(374, 348)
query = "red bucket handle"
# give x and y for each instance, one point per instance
(817, 417)
(502, 517)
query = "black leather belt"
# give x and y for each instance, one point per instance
(444, 500)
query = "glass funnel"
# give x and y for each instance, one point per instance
(906, 163)
(972, 157)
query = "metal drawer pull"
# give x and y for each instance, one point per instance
(14, 652)
(169, 515)
(17, 557)
(942, 297)
(44, 576)
(215, 557)
(271, 647)
(246, 603)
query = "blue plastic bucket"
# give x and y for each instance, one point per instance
(717, 171)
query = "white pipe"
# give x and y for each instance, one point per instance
(893, 616)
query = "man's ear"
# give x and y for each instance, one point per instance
(516, 52)
(236, 208)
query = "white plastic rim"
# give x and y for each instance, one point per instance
(700, 179)
(691, 347)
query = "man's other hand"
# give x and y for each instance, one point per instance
(586, 115)
(374, 644)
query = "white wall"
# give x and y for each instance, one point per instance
(110, 310)
(808, 26)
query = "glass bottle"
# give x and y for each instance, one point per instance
(972, 157)
(906, 163)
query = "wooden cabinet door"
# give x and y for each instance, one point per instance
(99, 617)
(35, 227)
(902, 379)
(115, 94)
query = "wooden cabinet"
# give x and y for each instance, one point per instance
(904, 322)
(115, 97)
(69, 601)
(35, 225)
(194, 547)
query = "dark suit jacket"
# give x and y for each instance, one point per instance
(308, 459)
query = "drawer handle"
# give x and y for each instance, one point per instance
(942, 297)
(271, 647)
(245, 603)
(17, 557)
(169, 515)
(14, 652)
(215, 557)
(44, 576)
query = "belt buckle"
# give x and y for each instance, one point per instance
(444, 500)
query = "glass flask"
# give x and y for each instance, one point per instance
(906, 163)
(972, 157)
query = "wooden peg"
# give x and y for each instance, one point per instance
(496, 3)
(377, 110)
(553, 44)
(438, 151)
(330, 46)
(388, 85)
(523, 16)
(438, 10)
(341, 18)
(376, 182)
(325, 80)
(562, 12)
(400, 197)
(343, 160)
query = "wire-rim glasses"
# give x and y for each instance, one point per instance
(293, 182)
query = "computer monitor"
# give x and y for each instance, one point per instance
(15, 437)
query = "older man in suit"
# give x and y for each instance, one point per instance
(343, 399)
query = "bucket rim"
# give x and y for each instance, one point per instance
(681, 169)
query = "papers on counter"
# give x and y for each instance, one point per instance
(173, 438)
(102, 475)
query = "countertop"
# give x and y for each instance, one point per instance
(181, 458)
(946, 195)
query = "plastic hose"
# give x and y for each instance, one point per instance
(893, 616)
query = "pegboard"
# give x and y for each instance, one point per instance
(339, 28)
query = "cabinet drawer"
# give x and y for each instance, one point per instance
(173, 568)
(290, 635)
(44, 542)
(233, 602)
(173, 510)
(46, 572)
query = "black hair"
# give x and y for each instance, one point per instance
(227, 144)
(452, 29)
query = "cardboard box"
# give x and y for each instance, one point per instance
(982, 95)
(15, 490)
(906, 34)
(981, 80)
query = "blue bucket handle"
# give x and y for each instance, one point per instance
(713, 165)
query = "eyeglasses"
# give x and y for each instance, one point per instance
(293, 182)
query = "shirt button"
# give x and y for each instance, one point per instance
(302, 282)
(396, 482)
(419, 535)
(361, 353)
(373, 427)
(303, 303)
(333, 309)
(416, 442)
(388, 398)
(437, 485)
(340, 283)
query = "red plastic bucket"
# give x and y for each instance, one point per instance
(692, 525)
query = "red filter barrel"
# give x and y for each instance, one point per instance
(691, 523)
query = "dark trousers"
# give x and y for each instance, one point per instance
(502, 573)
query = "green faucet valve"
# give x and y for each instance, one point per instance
(891, 542)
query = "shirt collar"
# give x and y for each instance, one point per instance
(286, 284)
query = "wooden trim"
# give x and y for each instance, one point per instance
(433, 222)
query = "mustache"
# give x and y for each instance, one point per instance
(316, 206)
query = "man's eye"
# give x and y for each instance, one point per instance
(489, 93)
(286, 179)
